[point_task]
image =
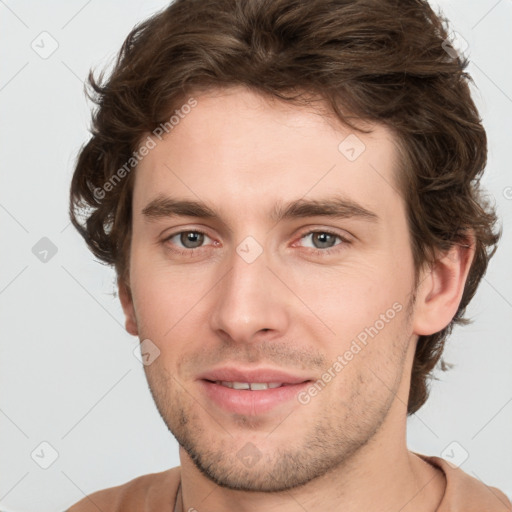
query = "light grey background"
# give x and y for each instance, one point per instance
(68, 374)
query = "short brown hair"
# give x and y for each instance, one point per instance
(377, 60)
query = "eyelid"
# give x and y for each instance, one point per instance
(184, 252)
(345, 240)
(180, 229)
(331, 231)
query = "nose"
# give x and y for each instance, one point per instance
(250, 302)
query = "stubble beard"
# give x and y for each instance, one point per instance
(329, 443)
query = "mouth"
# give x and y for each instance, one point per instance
(252, 386)
(251, 392)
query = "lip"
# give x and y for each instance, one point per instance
(238, 374)
(248, 402)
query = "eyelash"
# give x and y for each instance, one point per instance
(317, 252)
(325, 252)
(186, 252)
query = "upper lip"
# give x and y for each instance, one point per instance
(260, 375)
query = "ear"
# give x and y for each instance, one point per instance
(441, 288)
(125, 296)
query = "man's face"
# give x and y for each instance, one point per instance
(248, 297)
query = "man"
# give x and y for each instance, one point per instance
(288, 193)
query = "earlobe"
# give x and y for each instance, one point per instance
(126, 299)
(440, 290)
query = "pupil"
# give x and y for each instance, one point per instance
(324, 239)
(192, 239)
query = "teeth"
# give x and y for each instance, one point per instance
(257, 386)
(253, 386)
(241, 385)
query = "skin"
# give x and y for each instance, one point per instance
(291, 308)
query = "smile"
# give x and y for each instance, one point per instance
(253, 386)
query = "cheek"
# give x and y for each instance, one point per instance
(167, 298)
(352, 293)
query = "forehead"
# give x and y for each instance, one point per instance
(237, 150)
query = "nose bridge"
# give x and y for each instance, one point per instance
(248, 298)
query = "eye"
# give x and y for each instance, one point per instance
(320, 242)
(188, 240)
(321, 239)
(323, 242)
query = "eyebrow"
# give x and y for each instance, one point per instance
(336, 207)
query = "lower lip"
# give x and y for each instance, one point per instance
(252, 403)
